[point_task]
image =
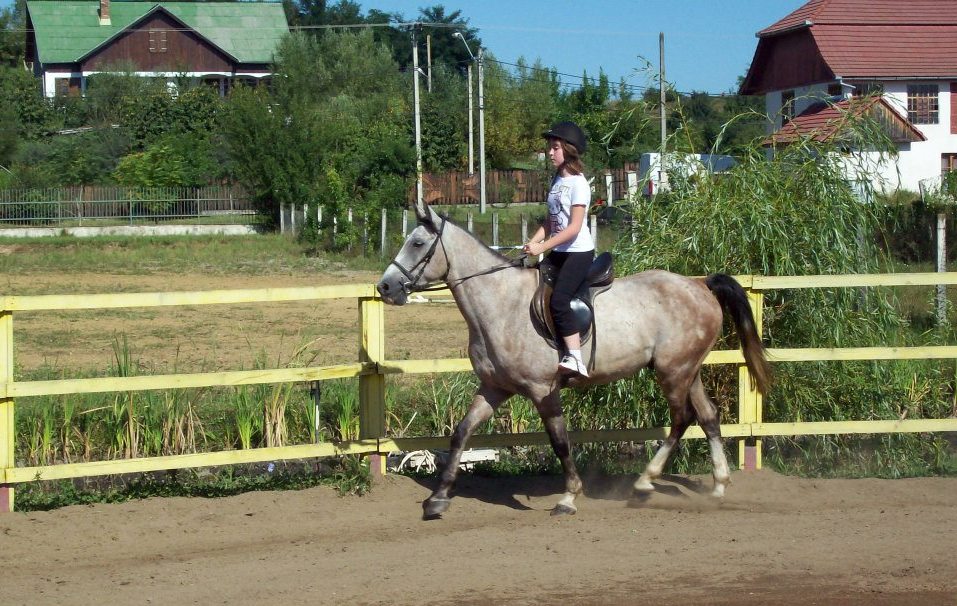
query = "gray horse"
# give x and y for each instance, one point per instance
(653, 318)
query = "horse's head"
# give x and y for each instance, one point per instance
(417, 264)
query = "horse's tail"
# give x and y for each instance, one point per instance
(735, 301)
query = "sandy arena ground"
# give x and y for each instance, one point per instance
(773, 540)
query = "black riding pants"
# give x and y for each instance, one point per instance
(572, 270)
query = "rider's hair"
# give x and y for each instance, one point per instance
(573, 160)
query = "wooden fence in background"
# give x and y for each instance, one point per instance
(510, 186)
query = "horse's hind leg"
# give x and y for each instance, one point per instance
(681, 417)
(486, 400)
(708, 419)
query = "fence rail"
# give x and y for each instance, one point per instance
(88, 204)
(372, 368)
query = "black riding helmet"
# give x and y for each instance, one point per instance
(570, 133)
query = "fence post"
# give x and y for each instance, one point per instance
(941, 267)
(282, 218)
(594, 229)
(524, 229)
(382, 238)
(750, 401)
(7, 421)
(632, 180)
(405, 222)
(609, 189)
(365, 234)
(494, 229)
(372, 384)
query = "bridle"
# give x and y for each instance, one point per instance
(419, 268)
(415, 272)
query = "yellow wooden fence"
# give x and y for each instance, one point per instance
(372, 368)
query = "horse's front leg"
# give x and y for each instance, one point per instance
(486, 400)
(550, 409)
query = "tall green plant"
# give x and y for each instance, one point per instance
(795, 213)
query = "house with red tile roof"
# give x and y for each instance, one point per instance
(811, 64)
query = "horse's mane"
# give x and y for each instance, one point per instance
(499, 255)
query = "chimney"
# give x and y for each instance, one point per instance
(105, 12)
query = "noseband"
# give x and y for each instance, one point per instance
(419, 268)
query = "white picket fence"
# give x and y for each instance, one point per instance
(292, 218)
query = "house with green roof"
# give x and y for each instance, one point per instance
(217, 43)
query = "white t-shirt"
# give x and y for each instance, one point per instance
(565, 193)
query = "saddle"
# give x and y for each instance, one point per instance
(599, 279)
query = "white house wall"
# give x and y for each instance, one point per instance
(50, 77)
(921, 159)
(804, 97)
(915, 161)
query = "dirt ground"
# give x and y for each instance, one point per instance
(773, 540)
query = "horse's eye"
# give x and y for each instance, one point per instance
(417, 243)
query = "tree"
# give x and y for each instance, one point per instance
(12, 34)
(332, 131)
(448, 50)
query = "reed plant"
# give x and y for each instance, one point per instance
(246, 417)
(339, 409)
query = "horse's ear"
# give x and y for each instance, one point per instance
(422, 211)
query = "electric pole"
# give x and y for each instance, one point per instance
(419, 194)
(481, 100)
(661, 103)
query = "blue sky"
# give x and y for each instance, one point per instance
(708, 43)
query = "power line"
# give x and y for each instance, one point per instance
(410, 24)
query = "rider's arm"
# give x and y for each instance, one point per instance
(568, 234)
(538, 236)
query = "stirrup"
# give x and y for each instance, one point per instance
(571, 365)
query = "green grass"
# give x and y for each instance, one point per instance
(215, 255)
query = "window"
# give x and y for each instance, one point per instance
(787, 106)
(869, 88)
(922, 103)
(835, 90)
(67, 87)
(948, 163)
(157, 40)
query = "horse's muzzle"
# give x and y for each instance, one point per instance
(392, 291)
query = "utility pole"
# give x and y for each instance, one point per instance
(481, 99)
(661, 103)
(419, 194)
(428, 60)
(471, 127)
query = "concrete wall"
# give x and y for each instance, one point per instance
(129, 230)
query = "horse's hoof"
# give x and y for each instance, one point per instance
(433, 508)
(642, 485)
(561, 509)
